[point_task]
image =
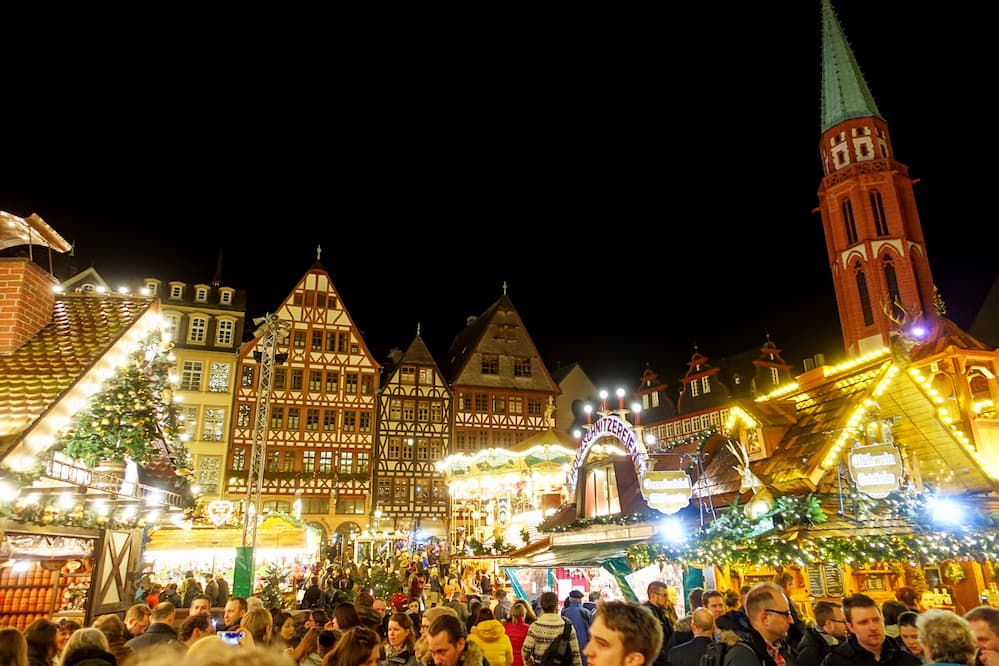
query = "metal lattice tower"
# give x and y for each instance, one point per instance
(269, 332)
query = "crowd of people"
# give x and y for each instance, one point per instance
(761, 626)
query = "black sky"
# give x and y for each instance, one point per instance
(643, 184)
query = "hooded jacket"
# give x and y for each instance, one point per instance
(472, 656)
(490, 635)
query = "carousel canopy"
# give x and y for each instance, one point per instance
(547, 451)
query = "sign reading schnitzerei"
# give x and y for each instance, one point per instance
(876, 469)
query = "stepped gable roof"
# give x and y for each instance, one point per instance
(33, 378)
(821, 413)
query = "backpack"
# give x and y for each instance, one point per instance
(715, 654)
(559, 652)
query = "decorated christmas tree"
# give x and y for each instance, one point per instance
(270, 588)
(133, 416)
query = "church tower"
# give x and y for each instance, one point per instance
(874, 239)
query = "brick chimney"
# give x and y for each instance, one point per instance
(27, 302)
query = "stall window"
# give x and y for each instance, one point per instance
(601, 492)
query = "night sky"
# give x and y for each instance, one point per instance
(642, 184)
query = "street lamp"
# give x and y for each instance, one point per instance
(378, 520)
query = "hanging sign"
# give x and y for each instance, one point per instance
(876, 469)
(219, 511)
(666, 491)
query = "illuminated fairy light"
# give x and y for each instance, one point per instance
(778, 392)
(852, 363)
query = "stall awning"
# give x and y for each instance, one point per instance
(168, 539)
(579, 555)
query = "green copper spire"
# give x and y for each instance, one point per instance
(845, 93)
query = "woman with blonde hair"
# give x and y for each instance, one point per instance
(259, 624)
(359, 646)
(13, 647)
(516, 630)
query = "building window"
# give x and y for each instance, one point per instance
(314, 505)
(332, 383)
(407, 374)
(312, 419)
(309, 461)
(213, 425)
(243, 412)
(197, 330)
(400, 491)
(208, 473)
(384, 490)
(330, 341)
(422, 410)
(294, 418)
(350, 506)
(481, 403)
(325, 462)
(535, 407)
(189, 417)
(218, 377)
(891, 280)
(277, 418)
(490, 364)
(522, 367)
(408, 410)
(350, 383)
(363, 462)
(426, 376)
(342, 340)
(297, 379)
(851, 224)
(329, 420)
(395, 448)
(176, 291)
(880, 219)
(694, 388)
(289, 461)
(280, 378)
(515, 405)
(364, 422)
(499, 404)
(705, 385)
(367, 384)
(201, 294)
(224, 332)
(282, 506)
(190, 376)
(225, 296)
(315, 381)
(864, 296)
(436, 411)
(774, 376)
(349, 420)
(346, 462)
(170, 324)
(298, 340)
(273, 460)
(246, 381)
(317, 341)
(395, 409)
(238, 459)
(464, 402)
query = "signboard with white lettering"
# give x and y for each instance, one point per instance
(666, 491)
(612, 426)
(876, 469)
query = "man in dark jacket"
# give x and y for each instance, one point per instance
(769, 613)
(160, 631)
(829, 630)
(867, 644)
(657, 600)
(702, 623)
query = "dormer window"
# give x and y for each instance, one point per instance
(201, 294)
(225, 296)
(177, 291)
(153, 286)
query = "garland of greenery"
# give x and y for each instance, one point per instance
(781, 535)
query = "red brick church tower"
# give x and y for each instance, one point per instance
(874, 238)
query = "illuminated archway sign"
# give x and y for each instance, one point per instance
(613, 426)
(876, 469)
(667, 491)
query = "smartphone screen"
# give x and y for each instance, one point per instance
(230, 637)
